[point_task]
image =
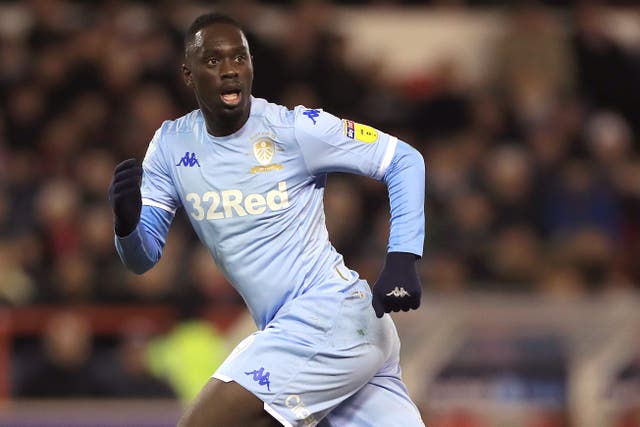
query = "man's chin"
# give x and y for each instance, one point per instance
(234, 109)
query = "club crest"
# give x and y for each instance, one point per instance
(263, 151)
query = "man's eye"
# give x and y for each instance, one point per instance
(212, 61)
(241, 58)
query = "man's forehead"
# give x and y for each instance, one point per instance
(219, 35)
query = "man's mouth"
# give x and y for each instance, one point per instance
(231, 98)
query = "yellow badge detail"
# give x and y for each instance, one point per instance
(365, 133)
(267, 168)
(361, 132)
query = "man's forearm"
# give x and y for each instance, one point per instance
(405, 180)
(142, 248)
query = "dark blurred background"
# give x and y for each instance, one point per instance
(526, 114)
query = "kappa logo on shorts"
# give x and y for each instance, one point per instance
(261, 377)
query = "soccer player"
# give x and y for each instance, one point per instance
(250, 176)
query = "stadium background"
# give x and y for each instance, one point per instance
(527, 118)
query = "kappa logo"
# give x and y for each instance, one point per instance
(398, 292)
(261, 377)
(189, 161)
(312, 114)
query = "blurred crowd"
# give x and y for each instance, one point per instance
(533, 175)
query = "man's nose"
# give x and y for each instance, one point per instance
(228, 69)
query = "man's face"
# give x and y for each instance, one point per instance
(219, 69)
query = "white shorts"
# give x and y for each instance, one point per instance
(326, 359)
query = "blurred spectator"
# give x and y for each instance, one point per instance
(609, 142)
(560, 280)
(65, 368)
(471, 224)
(578, 199)
(16, 286)
(533, 66)
(515, 257)
(148, 106)
(603, 65)
(72, 278)
(343, 205)
(129, 374)
(509, 180)
(445, 273)
(445, 107)
(93, 174)
(589, 250)
(57, 208)
(626, 181)
(24, 114)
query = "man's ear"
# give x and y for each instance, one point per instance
(186, 75)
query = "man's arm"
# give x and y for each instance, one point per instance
(144, 202)
(329, 144)
(140, 232)
(398, 287)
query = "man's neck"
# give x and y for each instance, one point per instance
(224, 124)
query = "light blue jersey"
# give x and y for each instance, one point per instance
(320, 356)
(254, 198)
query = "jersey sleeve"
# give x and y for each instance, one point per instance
(405, 180)
(330, 144)
(142, 249)
(157, 187)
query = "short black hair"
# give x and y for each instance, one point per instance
(204, 21)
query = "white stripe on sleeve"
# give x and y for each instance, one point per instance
(149, 202)
(388, 156)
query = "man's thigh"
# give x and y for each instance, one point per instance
(226, 405)
(383, 402)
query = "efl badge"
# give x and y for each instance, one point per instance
(263, 151)
(362, 133)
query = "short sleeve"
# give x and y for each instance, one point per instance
(158, 188)
(330, 144)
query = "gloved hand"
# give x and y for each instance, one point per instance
(125, 196)
(398, 287)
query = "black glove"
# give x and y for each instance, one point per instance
(125, 196)
(398, 287)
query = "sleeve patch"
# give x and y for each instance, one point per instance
(358, 131)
